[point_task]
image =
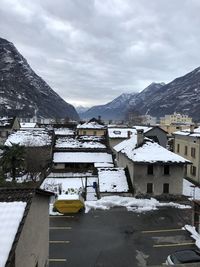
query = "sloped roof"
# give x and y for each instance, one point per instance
(91, 125)
(187, 132)
(148, 152)
(14, 206)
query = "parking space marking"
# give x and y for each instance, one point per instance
(59, 242)
(162, 231)
(61, 216)
(173, 245)
(60, 228)
(57, 260)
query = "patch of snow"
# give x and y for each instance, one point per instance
(190, 190)
(30, 138)
(11, 216)
(63, 131)
(65, 142)
(112, 180)
(130, 203)
(90, 125)
(194, 234)
(81, 157)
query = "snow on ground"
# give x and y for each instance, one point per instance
(191, 190)
(11, 214)
(130, 203)
(112, 180)
(69, 185)
(30, 138)
(64, 142)
(194, 234)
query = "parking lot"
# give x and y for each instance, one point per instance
(117, 238)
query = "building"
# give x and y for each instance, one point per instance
(7, 126)
(91, 129)
(187, 144)
(38, 143)
(24, 225)
(175, 118)
(117, 135)
(153, 169)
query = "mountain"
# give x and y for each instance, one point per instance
(112, 110)
(182, 95)
(119, 107)
(81, 109)
(22, 91)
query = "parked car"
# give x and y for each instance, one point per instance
(183, 257)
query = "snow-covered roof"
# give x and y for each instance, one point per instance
(30, 138)
(27, 124)
(63, 131)
(112, 180)
(90, 125)
(187, 132)
(149, 152)
(81, 157)
(11, 216)
(124, 132)
(120, 132)
(91, 138)
(65, 142)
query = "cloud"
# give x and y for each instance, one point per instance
(91, 51)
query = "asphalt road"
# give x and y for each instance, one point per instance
(117, 238)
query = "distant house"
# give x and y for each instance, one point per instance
(187, 144)
(38, 143)
(117, 135)
(24, 227)
(7, 126)
(91, 129)
(152, 168)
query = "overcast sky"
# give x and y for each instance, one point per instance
(91, 51)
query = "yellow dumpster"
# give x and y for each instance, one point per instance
(69, 203)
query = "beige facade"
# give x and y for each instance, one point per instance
(163, 178)
(188, 146)
(175, 118)
(92, 132)
(171, 128)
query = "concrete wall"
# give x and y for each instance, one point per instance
(33, 244)
(140, 178)
(162, 136)
(174, 179)
(115, 141)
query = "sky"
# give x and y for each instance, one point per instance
(91, 51)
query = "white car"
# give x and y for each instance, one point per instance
(183, 257)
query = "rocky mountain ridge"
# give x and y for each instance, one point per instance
(23, 93)
(182, 95)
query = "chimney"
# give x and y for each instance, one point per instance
(129, 133)
(191, 128)
(140, 137)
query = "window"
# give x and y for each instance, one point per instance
(95, 132)
(165, 188)
(193, 152)
(84, 132)
(186, 150)
(178, 148)
(166, 169)
(150, 169)
(149, 188)
(193, 170)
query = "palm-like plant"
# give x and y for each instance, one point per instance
(12, 159)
